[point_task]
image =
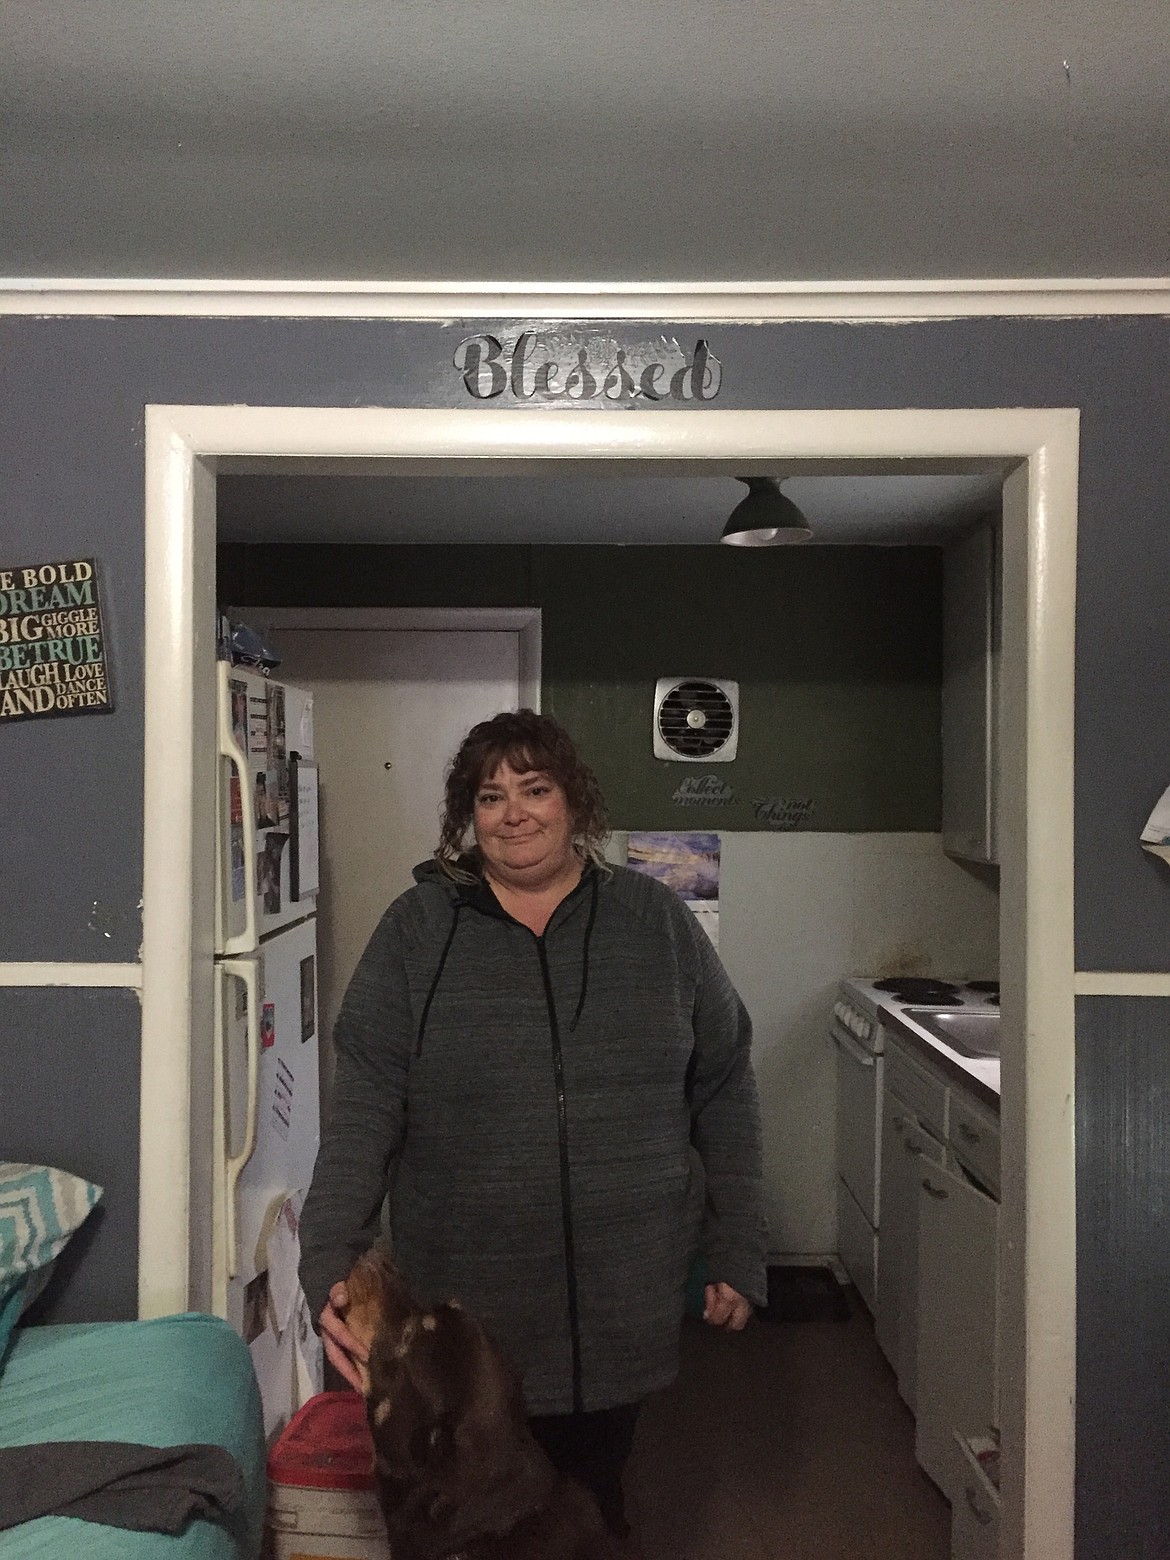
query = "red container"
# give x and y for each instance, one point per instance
(321, 1500)
(325, 1445)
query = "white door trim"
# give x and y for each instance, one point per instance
(183, 445)
(724, 302)
(66, 974)
(1122, 983)
(524, 622)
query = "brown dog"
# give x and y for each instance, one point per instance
(460, 1476)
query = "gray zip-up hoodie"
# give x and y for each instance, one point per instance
(537, 1101)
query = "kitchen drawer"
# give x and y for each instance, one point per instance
(975, 1514)
(974, 1139)
(925, 1094)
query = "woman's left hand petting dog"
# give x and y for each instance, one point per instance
(345, 1350)
(459, 1474)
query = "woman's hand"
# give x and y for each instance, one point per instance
(346, 1352)
(726, 1307)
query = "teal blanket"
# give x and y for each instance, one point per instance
(179, 1379)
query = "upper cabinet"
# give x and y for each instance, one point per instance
(970, 700)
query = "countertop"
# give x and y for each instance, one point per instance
(978, 1074)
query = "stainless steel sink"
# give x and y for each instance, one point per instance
(969, 1033)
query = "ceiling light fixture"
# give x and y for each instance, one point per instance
(765, 518)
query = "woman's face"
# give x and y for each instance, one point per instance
(523, 827)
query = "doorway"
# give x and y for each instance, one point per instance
(186, 446)
(394, 692)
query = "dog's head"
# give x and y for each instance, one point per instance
(445, 1409)
(378, 1301)
(454, 1459)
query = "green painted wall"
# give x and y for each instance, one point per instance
(837, 650)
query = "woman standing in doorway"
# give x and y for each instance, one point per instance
(539, 1046)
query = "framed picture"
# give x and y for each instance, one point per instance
(55, 659)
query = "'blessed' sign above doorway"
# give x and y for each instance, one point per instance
(555, 368)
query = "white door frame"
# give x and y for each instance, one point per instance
(184, 445)
(524, 622)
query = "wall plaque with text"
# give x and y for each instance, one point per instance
(53, 658)
(568, 367)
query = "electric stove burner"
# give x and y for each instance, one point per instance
(921, 988)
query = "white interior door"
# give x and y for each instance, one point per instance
(390, 708)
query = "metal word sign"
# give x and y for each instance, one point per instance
(563, 367)
(52, 648)
(779, 812)
(703, 791)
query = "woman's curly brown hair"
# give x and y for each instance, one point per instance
(525, 741)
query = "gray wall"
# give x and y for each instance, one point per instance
(71, 415)
(1123, 1260)
(69, 1081)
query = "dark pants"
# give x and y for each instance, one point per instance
(592, 1448)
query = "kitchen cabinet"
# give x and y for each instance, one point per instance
(958, 1233)
(973, 1134)
(907, 1147)
(970, 694)
(975, 1516)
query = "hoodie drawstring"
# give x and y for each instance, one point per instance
(585, 949)
(422, 1023)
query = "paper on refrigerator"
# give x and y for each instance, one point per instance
(284, 1260)
(310, 1357)
(288, 1309)
(1156, 834)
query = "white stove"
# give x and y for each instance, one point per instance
(860, 1003)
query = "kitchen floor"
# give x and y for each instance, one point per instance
(786, 1442)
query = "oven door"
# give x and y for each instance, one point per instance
(858, 1107)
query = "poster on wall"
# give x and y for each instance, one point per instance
(53, 654)
(686, 862)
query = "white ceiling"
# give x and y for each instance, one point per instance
(579, 508)
(603, 140)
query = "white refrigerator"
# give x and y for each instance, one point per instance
(266, 1069)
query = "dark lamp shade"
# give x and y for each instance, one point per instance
(765, 518)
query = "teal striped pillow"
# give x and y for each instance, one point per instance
(39, 1210)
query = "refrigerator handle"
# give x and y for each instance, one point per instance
(229, 748)
(246, 970)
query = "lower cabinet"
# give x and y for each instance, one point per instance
(906, 1149)
(958, 1229)
(975, 1515)
(935, 1301)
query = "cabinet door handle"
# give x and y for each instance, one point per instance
(968, 1134)
(977, 1510)
(937, 1192)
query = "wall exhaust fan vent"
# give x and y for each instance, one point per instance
(696, 719)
